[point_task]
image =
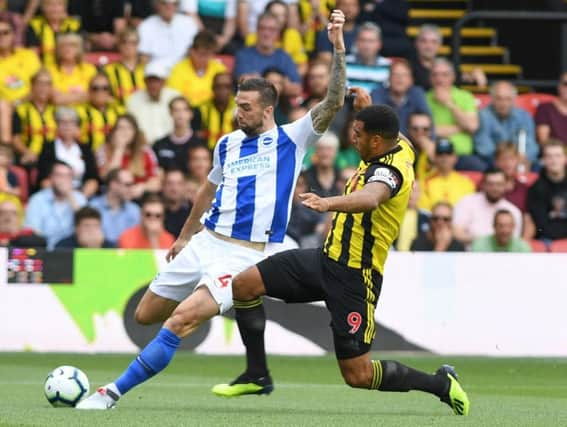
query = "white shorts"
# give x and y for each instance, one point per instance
(205, 261)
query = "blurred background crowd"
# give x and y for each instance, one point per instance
(110, 110)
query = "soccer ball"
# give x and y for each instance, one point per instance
(65, 386)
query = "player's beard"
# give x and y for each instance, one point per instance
(251, 129)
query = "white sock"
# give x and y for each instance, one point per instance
(112, 387)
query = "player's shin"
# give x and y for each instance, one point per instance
(151, 360)
(251, 319)
(389, 375)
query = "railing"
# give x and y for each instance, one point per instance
(513, 15)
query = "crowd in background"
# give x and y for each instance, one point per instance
(96, 154)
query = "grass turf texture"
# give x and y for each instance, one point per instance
(309, 391)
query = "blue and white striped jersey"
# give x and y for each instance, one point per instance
(256, 177)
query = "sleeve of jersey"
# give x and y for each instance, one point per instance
(386, 174)
(301, 131)
(215, 175)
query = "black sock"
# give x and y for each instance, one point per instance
(390, 375)
(251, 319)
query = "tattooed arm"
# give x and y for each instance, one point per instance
(324, 112)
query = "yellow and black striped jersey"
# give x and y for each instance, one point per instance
(123, 81)
(96, 124)
(34, 126)
(362, 240)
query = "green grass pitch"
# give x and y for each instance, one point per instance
(309, 392)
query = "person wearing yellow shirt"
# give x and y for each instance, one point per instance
(290, 39)
(33, 121)
(444, 184)
(99, 115)
(43, 29)
(313, 15)
(17, 65)
(193, 76)
(127, 74)
(71, 75)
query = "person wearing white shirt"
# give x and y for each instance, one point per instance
(168, 34)
(150, 106)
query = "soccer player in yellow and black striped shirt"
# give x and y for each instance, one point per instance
(346, 273)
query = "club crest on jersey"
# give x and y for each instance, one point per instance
(267, 140)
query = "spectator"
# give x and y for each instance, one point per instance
(501, 121)
(454, 114)
(17, 65)
(167, 35)
(8, 180)
(193, 76)
(150, 107)
(199, 163)
(551, 117)
(420, 133)
(126, 148)
(14, 16)
(321, 178)
(220, 17)
(177, 207)
(102, 20)
(416, 221)
(428, 44)
(313, 17)
(252, 61)
(50, 211)
(306, 226)
(172, 150)
(250, 12)
(366, 68)
(547, 198)
(503, 239)
(217, 115)
(474, 214)
(440, 237)
(44, 28)
(508, 160)
(88, 232)
(351, 10)
(33, 121)
(127, 74)
(444, 184)
(191, 188)
(11, 231)
(348, 156)
(116, 208)
(289, 38)
(70, 74)
(401, 94)
(392, 17)
(283, 107)
(67, 149)
(150, 233)
(99, 114)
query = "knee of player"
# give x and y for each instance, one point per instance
(243, 290)
(142, 318)
(182, 321)
(361, 378)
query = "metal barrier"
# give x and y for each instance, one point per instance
(517, 16)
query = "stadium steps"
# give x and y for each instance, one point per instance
(486, 54)
(500, 71)
(469, 35)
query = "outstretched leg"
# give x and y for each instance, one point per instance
(156, 356)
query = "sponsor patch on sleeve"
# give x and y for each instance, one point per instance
(386, 176)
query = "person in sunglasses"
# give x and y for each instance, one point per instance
(439, 237)
(150, 233)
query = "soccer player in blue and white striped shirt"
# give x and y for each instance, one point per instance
(244, 205)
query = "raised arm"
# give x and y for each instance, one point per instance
(324, 112)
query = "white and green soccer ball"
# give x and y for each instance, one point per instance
(65, 386)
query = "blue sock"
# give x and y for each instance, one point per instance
(152, 359)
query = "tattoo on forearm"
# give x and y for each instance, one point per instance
(324, 112)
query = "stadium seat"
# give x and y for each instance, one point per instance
(22, 176)
(228, 61)
(558, 246)
(100, 59)
(474, 176)
(482, 100)
(530, 101)
(538, 246)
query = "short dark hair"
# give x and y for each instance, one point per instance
(86, 212)
(273, 2)
(205, 39)
(57, 163)
(266, 89)
(149, 198)
(492, 171)
(174, 169)
(500, 212)
(112, 175)
(179, 99)
(552, 143)
(381, 120)
(272, 70)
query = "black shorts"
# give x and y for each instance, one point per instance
(307, 275)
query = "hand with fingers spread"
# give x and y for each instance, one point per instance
(313, 201)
